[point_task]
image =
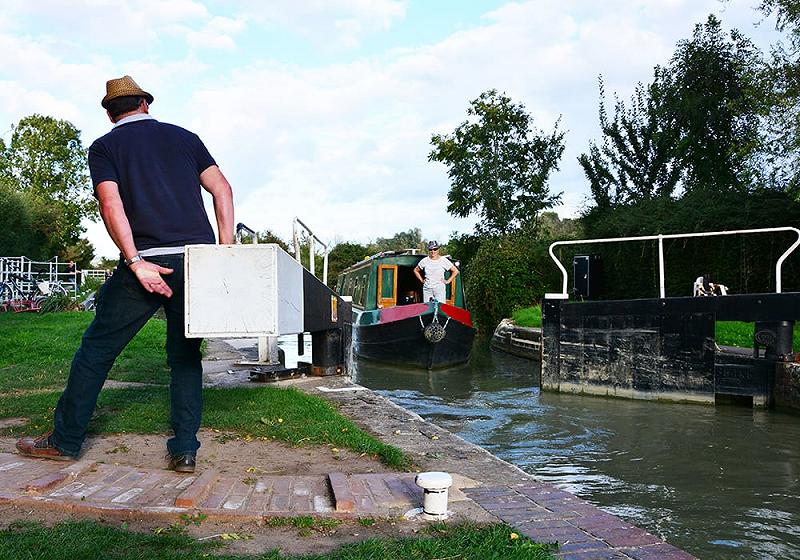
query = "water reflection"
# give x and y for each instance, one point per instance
(718, 482)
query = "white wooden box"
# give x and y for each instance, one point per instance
(242, 291)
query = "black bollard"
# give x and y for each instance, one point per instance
(327, 357)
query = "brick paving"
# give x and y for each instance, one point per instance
(102, 488)
(583, 531)
(539, 511)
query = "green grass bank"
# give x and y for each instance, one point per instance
(88, 539)
(36, 350)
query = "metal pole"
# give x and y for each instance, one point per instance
(296, 241)
(662, 291)
(311, 255)
(782, 258)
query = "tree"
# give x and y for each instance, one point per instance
(784, 112)
(267, 236)
(714, 95)
(696, 126)
(46, 163)
(17, 236)
(82, 253)
(788, 14)
(411, 239)
(639, 156)
(499, 164)
(342, 256)
(508, 272)
(551, 227)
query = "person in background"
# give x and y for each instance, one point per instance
(74, 275)
(434, 267)
(147, 178)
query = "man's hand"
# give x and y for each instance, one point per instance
(149, 276)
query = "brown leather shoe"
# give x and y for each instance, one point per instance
(182, 462)
(41, 447)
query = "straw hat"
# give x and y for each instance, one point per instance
(120, 87)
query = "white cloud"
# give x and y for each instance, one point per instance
(340, 25)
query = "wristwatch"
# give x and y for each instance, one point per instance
(134, 259)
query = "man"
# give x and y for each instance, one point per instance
(434, 285)
(147, 177)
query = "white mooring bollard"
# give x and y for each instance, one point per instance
(435, 485)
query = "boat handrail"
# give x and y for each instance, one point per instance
(311, 238)
(661, 238)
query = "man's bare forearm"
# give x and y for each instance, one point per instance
(114, 218)
(215, 183)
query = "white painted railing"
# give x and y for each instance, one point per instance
(54, 271)
(661, 238)
(311, 238)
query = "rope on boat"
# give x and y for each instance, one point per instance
(434, 332)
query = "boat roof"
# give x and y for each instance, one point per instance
(384, 255)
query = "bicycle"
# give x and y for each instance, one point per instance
(20, 293)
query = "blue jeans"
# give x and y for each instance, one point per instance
(123, 307)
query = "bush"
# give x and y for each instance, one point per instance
(508, 273)
(58, 302)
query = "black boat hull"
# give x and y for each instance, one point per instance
(402, 342)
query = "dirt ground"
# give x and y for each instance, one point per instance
(224, 452)
(231, 456)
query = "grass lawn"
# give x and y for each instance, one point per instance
(35, 351)
(283, 414)
(737, 333)
(87, 539)
(528, 316)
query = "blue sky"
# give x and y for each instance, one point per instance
(324, 109)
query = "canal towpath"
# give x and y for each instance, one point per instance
(486, 488)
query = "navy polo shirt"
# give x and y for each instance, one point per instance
(157, 167)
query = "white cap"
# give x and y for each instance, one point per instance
(434, 480)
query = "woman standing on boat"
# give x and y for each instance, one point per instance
(434, 285)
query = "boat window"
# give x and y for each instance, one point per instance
(363, 290)
(359, 292)
(387, 285)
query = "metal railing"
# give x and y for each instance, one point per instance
(52, 272)
(661, 238)
(311, 238)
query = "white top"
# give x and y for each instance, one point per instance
(434, 270)
(434, 480)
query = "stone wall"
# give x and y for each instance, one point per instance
(787, 386)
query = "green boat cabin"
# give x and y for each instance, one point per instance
(387, 280)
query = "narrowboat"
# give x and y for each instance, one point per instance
(392, 324)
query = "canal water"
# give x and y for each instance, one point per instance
(719, 482)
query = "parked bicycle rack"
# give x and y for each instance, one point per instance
(53, 273)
